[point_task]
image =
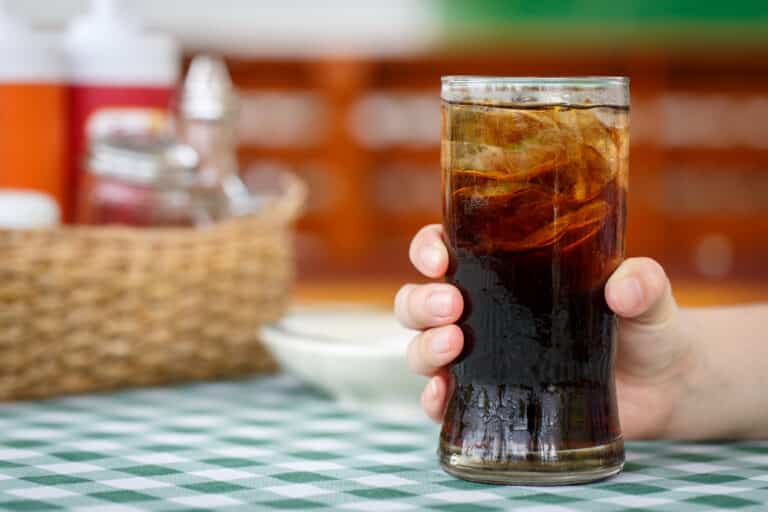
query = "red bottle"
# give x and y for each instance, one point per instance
(121, 80)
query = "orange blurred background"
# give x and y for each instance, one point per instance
(346, 94)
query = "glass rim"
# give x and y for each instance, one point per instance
(537, 81)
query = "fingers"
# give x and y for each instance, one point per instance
(432, 349)
(428, 253)
(640, 290)
(434, 398)
(433, 307)
(428, 305)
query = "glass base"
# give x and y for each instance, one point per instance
(572, 467)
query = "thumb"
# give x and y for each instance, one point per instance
(640, 290)
(640, 293)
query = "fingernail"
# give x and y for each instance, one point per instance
(433, 387)
(440, 304)
(431, 256)
(441, 343)
(628, 294)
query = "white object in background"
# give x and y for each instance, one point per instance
(269, 28)
(24, 209)
(300, 28)
(28, 55)
(106, 46)
(356, 354)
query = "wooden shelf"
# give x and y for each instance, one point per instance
(358, 238)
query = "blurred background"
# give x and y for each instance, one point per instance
(346, 94)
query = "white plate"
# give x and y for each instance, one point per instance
(356, 354)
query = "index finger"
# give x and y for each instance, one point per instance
(428, 252)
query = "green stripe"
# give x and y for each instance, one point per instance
(584, 23)
(633, 11)
(557, 34)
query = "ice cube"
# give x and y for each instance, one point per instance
(579, 179)
(480, 157)
(507, 128)
(571, 228)
(584, 223)
(569, 151)
(587, 129)
(590, 174)
(484, 186)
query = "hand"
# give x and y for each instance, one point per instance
(653, 357)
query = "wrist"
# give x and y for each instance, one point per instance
(685, 385)
(705, 398)
(656, 376)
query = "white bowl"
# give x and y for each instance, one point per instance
(356, 354)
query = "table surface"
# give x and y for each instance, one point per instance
(271, 443)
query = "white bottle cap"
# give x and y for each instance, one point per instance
(208, 93)
(27, 55)
(25, 209)
(107, 47)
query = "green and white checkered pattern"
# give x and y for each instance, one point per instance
(271, 443)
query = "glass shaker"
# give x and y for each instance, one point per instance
(207, 122)
(141, 181)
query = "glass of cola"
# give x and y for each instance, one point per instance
(534, 174)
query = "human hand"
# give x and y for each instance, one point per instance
(653, 359)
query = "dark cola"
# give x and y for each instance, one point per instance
(534, 214)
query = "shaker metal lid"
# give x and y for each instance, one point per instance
(208, 93)
(143, 159)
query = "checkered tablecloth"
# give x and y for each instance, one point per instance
(270, 443)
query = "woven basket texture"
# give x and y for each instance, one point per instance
(95, 308)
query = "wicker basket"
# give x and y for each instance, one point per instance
(94, 308)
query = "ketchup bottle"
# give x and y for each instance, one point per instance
(121, 80)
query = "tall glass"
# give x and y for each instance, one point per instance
(534, 201)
